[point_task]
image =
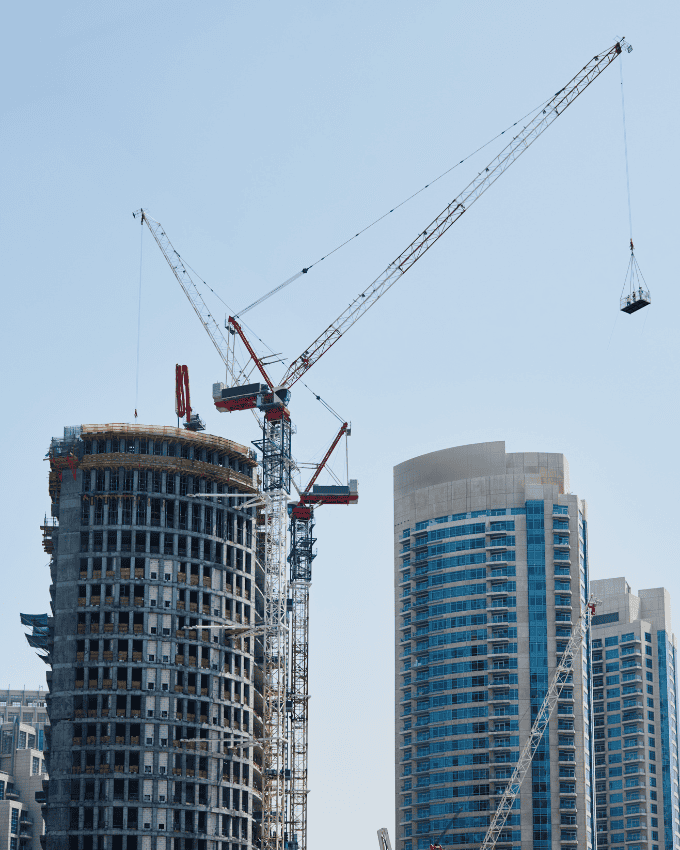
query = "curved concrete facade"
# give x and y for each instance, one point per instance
(143, 702)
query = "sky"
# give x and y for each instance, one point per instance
(264, 135)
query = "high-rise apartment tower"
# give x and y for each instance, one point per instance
(635, 720)
(143, 696)
(491, 573)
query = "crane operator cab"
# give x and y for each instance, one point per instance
(638, 294)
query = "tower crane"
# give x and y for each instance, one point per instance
(272, 399)
(561, 676)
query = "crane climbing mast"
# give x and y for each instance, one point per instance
(540, 724)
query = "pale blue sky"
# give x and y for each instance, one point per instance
(262, 135)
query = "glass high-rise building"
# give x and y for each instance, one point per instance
(491, 573)
(149, 547)
(635, 720)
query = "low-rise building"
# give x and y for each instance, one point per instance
(22, 771)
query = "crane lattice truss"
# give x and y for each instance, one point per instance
(561, 676)
(285, 812)
(223, 345)
(458, 206)
(275, 672)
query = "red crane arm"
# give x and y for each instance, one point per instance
(256, 360)
(426, 239)
(325, 459)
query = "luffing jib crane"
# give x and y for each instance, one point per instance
(281, 824)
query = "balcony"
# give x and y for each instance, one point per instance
(631, 652)
(501, 697)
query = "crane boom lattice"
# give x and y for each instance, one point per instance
(275, 644)
(458, 206)
(540, 724)
(225, 347)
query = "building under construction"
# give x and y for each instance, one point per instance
(155, 691)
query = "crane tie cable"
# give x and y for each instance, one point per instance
(384, 215)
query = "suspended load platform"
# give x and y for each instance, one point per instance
(635, 301)
(638, 294)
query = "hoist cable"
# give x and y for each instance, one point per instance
(384, 215)
(625, 149)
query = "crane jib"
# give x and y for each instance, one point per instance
(461, 204)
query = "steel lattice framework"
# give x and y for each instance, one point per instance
(559, 680)
(300, 558)
(298, 713)
(225, 347)
(275, 642)
(458, 206)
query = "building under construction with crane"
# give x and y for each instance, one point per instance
(156, 694)
(491, 577)
(275, 639)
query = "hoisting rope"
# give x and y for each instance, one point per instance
(625, 149)
(384, 215)
(633, 273)
(139, 318)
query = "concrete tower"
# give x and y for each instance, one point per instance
(491, 572)
(635, 720)
(142, 699)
